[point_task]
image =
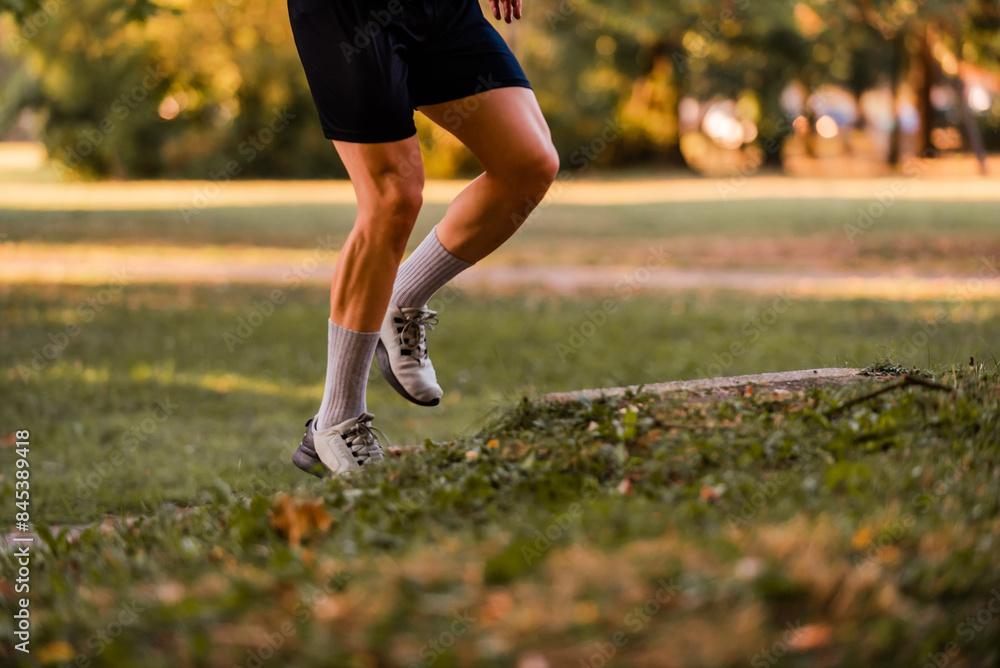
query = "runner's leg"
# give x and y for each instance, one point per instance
(505, 130)
(388, 181)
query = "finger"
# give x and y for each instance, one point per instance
(517, 9)
(507, 11)
(495, 4)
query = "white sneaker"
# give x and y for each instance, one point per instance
(402, 354)
(346, 446)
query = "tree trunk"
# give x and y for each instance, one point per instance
(895, 78)
(972, 133)
(926, 76)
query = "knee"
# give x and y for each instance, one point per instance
(546, 163)
(387, 218)
(399, 200)
(534, 170)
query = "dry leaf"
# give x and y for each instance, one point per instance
(493, 443)
(58, 651)
(861, 538)
(296, 519)
(707, 493)
(328, 607)
(533, 660)
(810, 637)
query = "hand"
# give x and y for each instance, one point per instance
(511, 9)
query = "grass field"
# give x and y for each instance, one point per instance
(817, 528)
(235, 411)
(736, 531)
(769, 232)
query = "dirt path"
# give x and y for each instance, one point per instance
(283, 268)
(159, 195)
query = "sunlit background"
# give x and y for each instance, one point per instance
(809, 87)
(747, 186)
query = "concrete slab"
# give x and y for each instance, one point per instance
(781, 380)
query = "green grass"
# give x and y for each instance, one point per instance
(239, 413)
(703, 533)
(298, 226)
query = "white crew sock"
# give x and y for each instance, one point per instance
(426, 271)
(349, 357)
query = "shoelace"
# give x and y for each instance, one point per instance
(416, 323)
(361, 438)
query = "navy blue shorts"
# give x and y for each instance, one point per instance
(370, 63)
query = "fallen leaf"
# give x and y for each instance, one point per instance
(471, 454)
(625, 486)
(58, 651)
(168, 592)
(861, 538)
(493, 443)
(497, 605)
(890, 555)
(810, 637)
(707, 493)
(296, 519)
(328, 607)
(585, 612)
(533, 660)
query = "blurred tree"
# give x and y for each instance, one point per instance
(664, 52)
(188, 88)
(926, 42)
(36, 13)
(204, 90)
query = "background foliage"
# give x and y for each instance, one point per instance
(619, 67)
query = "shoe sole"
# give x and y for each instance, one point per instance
(382, 355)
(308, 463)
